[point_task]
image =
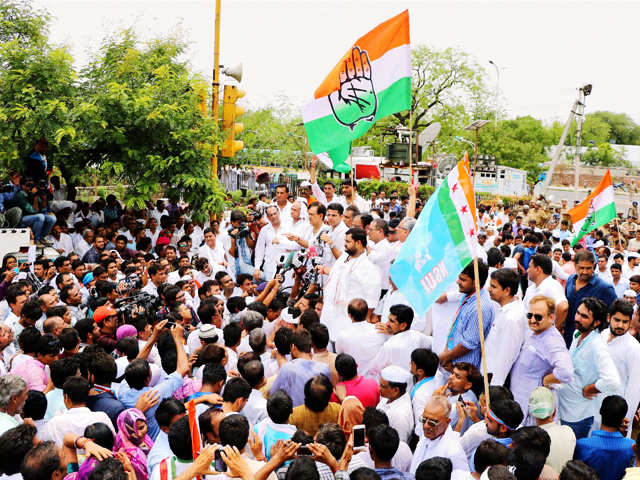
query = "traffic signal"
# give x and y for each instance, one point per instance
(229, 126)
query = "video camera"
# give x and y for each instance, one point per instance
(242, 231)
(145, 301)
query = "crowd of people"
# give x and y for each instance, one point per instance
(273, 344)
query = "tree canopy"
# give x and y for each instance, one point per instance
(133, 112)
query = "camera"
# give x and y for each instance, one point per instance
(126, 306)
(6, 187)
(131, 282)
(242, 230)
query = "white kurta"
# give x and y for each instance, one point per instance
(397, 351)
(382, 255)
(215, 256)
(505, 340)
(395, 297)
(349, 278)
(447, 446)
(400, 415)
(272, 244)
(549, 287)
(362, 341)
(625, 353)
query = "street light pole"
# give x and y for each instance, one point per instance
(495, 119)
(215, 86)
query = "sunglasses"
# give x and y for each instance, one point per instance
(537, 316)
(431, 422)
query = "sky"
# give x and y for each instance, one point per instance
(544, 50)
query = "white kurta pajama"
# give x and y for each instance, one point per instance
(505, 340)
(349, 278)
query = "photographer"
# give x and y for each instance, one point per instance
(37, 166)
(241, 242)
(28, 199)
(9, 216)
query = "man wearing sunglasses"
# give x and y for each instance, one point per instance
(594, 370)
(439, 439)
(544, 358)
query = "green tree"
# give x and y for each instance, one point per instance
(594, 129)
(141, 123)
(624, 131)
(518, 143)
(604, 156)
(272, 136)
(36, 85)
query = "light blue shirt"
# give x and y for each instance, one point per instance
(158, 452)
(591, 364)
(129, 396)
(55, 403)
(293, 376)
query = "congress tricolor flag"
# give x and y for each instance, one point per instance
(596, 210)
(442, 242)
(371, 81)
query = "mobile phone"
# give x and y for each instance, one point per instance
(460, 399)
(358, 436)
(220, 466)
(304, 450)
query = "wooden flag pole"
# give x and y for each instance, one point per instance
(477, 284)
(619, 233)
(410, 149)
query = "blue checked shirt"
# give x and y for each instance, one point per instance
(465, 329)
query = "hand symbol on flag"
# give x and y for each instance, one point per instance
(356, 99)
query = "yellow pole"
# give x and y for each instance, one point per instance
(410, 149)
(215, 86)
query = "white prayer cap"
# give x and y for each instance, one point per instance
(629, 293)
(633, 255)
(305, 183)
(287, 317)
(395, 374)
(598, 244)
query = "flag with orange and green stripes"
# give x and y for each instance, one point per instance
(371, 81)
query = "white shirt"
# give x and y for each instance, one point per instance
(215, 256)
(64, 243)
(400, 415)
(397, 351)
(625, 353)
(396, 297)
(151, 289)
(349, 278)
(322, 198)
(419, 398)
(81, 247)
(256, 407)
(401, 460)
(549, 287)
(270, 252)
(563, 443)
(505, 339)
(382, 255)
(362, 341)
(337, 237)
(447, 446)
(591, 364)
(73, 420)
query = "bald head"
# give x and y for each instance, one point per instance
(47, 301)
(53, 325)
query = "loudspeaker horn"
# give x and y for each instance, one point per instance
(234, 71)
